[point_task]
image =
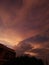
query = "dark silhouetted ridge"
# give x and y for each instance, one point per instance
(23, 60)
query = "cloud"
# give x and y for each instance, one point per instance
(41, 39)
(38, 38)
(23, 19)
(36, 42)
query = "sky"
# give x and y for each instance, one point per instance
(22, 19)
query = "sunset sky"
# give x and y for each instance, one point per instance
(22, 19)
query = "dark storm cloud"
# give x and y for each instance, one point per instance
(38, 38)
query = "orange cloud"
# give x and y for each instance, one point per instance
(22, 19)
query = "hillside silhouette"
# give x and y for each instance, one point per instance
(23, 60)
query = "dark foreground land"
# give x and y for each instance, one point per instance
(24, 60)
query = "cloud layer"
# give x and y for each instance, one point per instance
(21, 19)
